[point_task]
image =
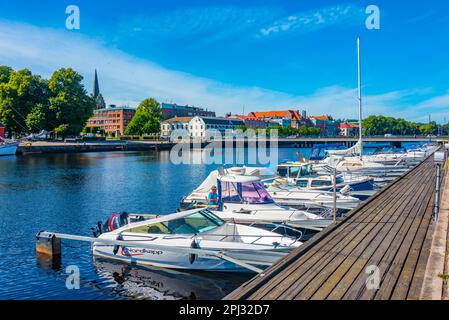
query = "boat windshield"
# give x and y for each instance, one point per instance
(294, 171)
(248, 193)
(282, 171)
(255, 193)
(196, 223)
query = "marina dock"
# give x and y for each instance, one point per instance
(379, 251)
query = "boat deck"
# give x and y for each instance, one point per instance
(392, 231)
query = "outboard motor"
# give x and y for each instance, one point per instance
(97, 230)
(116, 221)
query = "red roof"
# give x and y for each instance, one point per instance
(277, 114)
(348, 126)
(322, 118)
(238, 116)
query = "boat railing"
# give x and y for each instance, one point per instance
(257, 237)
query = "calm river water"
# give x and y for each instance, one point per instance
(69, 193)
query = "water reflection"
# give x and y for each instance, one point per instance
(164, 284)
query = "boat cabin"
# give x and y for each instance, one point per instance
(242, 189)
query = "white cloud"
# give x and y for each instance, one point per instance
(435, 103)
(204, 23)
(312, 20)
(125, 79)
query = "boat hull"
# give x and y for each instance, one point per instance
(171, 260)
(8, 149)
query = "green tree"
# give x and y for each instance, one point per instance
(302, 131)
(242, 128)
(380, 125)
(20, 92)
(147, 118)
(69, 104)
(430, 128)
(313, 131)
(5, 73)
(62, 130)
(36, 120)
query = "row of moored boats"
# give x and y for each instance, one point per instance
(259, 215)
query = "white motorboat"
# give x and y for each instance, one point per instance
(8, 148)
(392, 158)
(297, 198)
(305, 176)
(194, 240)
(243, 198)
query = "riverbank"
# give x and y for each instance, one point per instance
(154, 145)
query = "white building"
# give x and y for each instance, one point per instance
(177, 123)
(198, 125)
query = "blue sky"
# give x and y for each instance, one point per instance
(235, 55)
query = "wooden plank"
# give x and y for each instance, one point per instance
(434, 248)
(344, 276)
(394, 258)
(350, 252)
(413, 272)
(339, 247)
(313, 267)
(420, 248)
(375, 256)
(328, 230)
(317, 245)
(360, 253)
(322, 256)
(395, 265)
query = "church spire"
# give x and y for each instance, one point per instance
(96, 92)
(99, 101)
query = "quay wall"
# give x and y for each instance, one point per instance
(36, 148)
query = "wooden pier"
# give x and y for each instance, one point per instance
(379, 251)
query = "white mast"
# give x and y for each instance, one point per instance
(360, 96)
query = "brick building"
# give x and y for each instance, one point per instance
(112, 121)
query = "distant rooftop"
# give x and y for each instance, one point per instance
(180, 107)
(348, 126)
(322, 118)
(178, 119)
(113, 107)
(277, 114)
(216, 120)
